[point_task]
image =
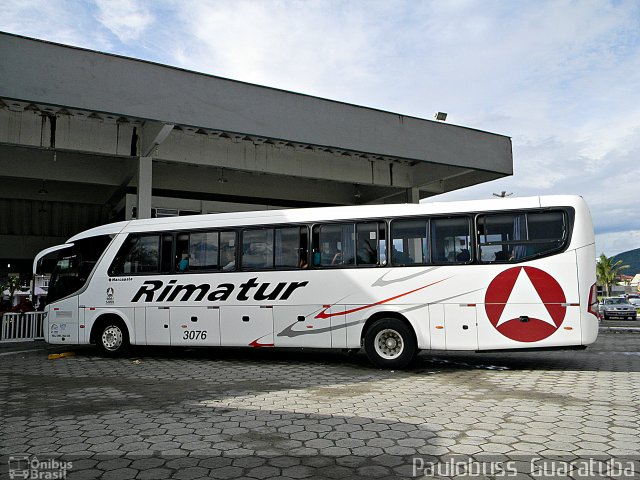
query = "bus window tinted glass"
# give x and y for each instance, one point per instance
(290, 247)
(520, 236)
(74, 266)
(495, 237)
(546, 232)
(182, 252)
(203, 251)
(334, 245)
(166, 253)
(140, 254)
(409, 242)
(228, 251)
(450, 240)
(367, 242)
(257, 249)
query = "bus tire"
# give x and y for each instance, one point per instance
(390, 343)
(112, 338)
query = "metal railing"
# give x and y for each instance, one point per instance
(20, 327)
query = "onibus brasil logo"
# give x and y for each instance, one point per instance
(30, 467)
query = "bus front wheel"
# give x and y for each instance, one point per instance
(390, 343)
(112, 338)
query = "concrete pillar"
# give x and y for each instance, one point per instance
(413, 195)
(145, 184)
(130, 204)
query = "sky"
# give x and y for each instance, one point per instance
(560, 77)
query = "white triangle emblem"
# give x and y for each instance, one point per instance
(525, 301)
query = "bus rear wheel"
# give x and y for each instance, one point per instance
(112, 338)
(390, 343)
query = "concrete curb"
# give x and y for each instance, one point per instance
(620, 329)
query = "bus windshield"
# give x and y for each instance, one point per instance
(74, 266)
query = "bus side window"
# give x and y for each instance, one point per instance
(227, 251)
(139, 254)
(451, 240)
(333, 245)
(166, 253)
(327, 245)
(303, 248)
(409, 244)
(257, 249)
(203, 251)
(547, 232)
(182, 252)
(367, 235)
(316, 255)
(495, 237)
(515, 237)
(291, 247)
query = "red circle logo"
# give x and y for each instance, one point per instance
(525, 304)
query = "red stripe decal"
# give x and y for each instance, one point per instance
(323, 313)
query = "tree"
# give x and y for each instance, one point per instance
(607, 271)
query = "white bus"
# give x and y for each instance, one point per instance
(496, 274)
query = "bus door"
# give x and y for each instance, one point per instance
(461, 330)
(64, 321)
(195, 326)
(246, 326)
(297, 326)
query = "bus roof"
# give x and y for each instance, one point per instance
(302, 215)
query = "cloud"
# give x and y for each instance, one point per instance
(52, 21)
(310, 47)
(126, 19)
(612, 243)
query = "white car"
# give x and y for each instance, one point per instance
(617, 307)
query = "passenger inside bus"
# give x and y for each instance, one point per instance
(463, 256)
(439, 253)
(183, 265)
(502, 256)
(227, 259)
(366, 254)
(400, 258)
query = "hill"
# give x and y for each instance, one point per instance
(631, 258)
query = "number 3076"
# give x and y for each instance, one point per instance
(194, 335)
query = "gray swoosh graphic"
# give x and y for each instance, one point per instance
(291, 333)
(381, 282)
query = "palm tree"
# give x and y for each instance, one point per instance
(607, 271)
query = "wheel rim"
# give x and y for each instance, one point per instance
(112, 338)
(389, 344)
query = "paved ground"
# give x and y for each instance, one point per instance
(164, 413)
